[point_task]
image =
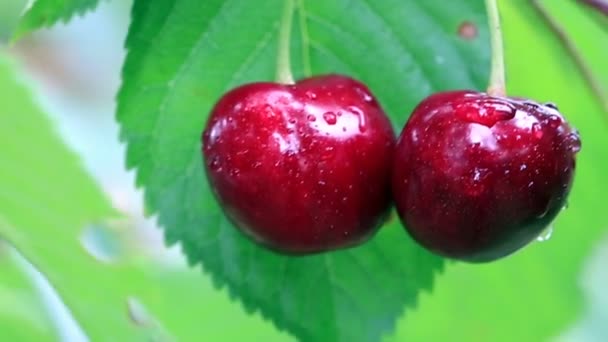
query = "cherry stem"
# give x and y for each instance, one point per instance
(284, 74)
(496, 86)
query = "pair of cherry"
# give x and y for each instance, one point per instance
(315, 166)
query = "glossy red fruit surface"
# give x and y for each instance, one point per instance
(301, 168)
(477, 177)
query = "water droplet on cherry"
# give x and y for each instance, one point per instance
(537, 130)
(546, 234)
(574, 142)
(360, 116)
(311, 94)
(215, 165)
(551, 105)
(330, 118)
(366, 97)
(554, 121)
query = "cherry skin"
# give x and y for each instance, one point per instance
(301, 168)
(477, 177)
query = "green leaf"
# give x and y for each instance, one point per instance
(45, 13)
(22, 316)
(184, 54)
(193, 310)
(533, 295)
(48, 202)
(9, 17)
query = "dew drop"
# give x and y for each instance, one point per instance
(551, 105)
(268, 110)
(502, 111)
(476, 175)
(574, 142)
(546, 234)
(554, 121)
(292, 121)
(311, 118)
(537, 130)
(330, 118)
(357, 111)
(311, 94)
(531, 104)
(365, 95)
(215, 165)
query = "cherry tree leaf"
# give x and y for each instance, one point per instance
(45, 13)
(184, 54)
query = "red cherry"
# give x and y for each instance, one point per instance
(301, 168)
(477, 177)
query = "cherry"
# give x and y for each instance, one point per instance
(301, 168)
(477, 177)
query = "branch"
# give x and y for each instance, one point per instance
(598, 89)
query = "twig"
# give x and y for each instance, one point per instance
(594, 83)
